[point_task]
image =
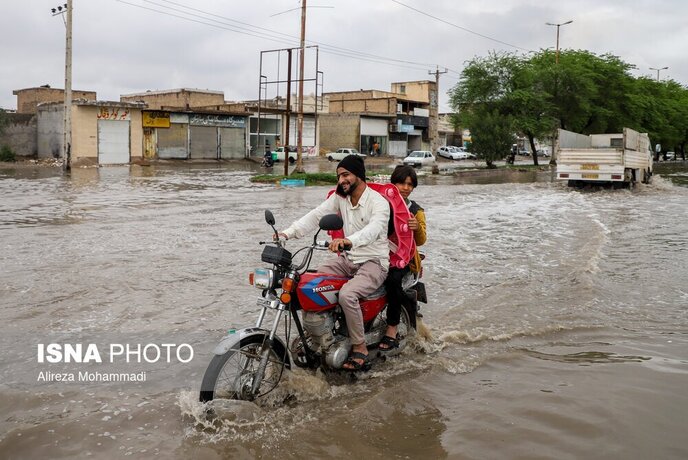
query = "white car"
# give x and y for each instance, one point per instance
(419, 158)
(278, 154)
(451, 152)
(344, 152)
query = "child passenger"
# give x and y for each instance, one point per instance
(405, 179)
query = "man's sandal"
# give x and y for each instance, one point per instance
(355, 365)
(388, 343)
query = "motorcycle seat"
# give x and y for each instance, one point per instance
(376, 294)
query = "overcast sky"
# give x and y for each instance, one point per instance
(120, 48)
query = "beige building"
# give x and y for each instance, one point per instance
(103, 132)
(177, 99)
(396, 120)
(183, 137)
(145, 126)
(268, 126)
(195, 135)
(29, 98)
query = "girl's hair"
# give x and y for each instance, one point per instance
(400, 174)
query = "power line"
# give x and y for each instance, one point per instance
(226, 27)
(274, 35)
(458, 26)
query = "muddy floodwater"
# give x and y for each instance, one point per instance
(558, 320)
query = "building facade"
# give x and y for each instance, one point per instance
(103, 132)
(396, 121)
(180, 98)
(29, 98)
(194, 135)
(188, 123)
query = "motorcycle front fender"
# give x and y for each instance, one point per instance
(234, 337)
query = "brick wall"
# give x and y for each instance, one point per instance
(28, 99)
(387, 105)
(20, 134)
(179, 99)
(339, 130)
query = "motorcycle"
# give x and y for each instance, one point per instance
(249, 363)
(267, 162)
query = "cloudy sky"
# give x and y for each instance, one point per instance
(131, 46)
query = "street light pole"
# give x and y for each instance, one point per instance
(662, 68)
(558, 25)
(67, 108)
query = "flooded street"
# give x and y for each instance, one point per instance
(559, 320)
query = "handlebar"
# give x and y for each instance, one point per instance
(321, 245)
(326, 244)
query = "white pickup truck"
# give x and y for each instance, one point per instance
(278, 154)
(598, 158)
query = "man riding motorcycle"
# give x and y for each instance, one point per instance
(365, 214)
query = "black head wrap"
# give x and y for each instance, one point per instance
(354, 164)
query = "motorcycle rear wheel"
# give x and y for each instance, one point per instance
(404, 330)
(231, 375)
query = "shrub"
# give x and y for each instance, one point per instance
(6, 154)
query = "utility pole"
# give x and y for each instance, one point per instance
(288, 117)
(299, 134)
(662, 68)
(435, 111)
(68, 92)
(558, 26)
(67, 107)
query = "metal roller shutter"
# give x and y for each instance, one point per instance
(113, 142)
(232, 143)
(173, 141)
(203, 142)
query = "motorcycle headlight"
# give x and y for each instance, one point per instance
(263, 278)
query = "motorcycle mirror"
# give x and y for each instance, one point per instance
(331, 222)
(269, 218)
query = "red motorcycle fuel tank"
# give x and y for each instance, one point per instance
(320, 292)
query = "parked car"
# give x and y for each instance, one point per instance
(343, 152)
(543, 153)
(278, 154)
(419, 158)
(453, 153)
(671, 156)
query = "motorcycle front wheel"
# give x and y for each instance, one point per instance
(232, 374)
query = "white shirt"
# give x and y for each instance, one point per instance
(365, 225)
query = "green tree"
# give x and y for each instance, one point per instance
(531, 104)
(511, 86)
(479, 99)
(491, 134)
(584, 93)
(662, 112)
